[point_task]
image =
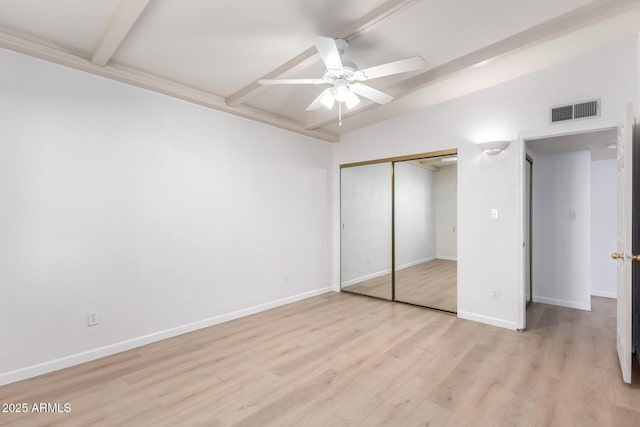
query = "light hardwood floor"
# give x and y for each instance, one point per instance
(347, 360)
(430, 284)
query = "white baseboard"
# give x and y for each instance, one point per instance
(604, 294)
(416, 262)
(493, 321)
(386, 271)
(563, 303)
(366, 277)
(447, 258)
(97, 353)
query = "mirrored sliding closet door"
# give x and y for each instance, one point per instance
(399, 229)
(365, 215)
(425, 220)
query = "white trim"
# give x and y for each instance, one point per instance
(563, 303)
(571, 128)
(386, 271)
(604, 294)
(416, 262)
(366, 277)
(97, 353)
(494, 321)
(447, 258)
(520, 251)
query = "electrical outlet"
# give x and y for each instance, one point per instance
(572, 215)
(93, 318)
(495, 295)
(286, 279)
(495, 214)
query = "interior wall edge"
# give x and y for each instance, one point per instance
(110, 349)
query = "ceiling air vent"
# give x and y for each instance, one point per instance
(581, 110)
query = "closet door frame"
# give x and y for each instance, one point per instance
(393, 161)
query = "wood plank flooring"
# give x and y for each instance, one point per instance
(430, 284)
(347, 360)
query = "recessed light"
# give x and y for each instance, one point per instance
(610, 146)
(449, 159)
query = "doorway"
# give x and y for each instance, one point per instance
(572, 219)
(399, 229)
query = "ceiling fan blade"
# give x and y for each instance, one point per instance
(292, 81)
(317, 103)
(328, 52)
(370, 93)
(396, 67)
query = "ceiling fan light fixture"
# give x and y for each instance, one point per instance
(341, 92)
(351, 100)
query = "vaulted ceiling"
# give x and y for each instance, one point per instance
(213, 52)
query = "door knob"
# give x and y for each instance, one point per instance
(617, 255)
(636, 257)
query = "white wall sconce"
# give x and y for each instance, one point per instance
(493, 147)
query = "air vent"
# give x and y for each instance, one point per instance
(585, 109)
(560, 114)
(581, 110)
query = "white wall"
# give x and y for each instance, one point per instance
(156, 212)
(604, 199)
(446, 184)
(562, 229)
(490, 251)
(415, 216)
(366, 222)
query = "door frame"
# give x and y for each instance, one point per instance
(520, 182)
(529, 231)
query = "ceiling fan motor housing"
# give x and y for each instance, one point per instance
(348, 70)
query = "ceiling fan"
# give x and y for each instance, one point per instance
(345, 78)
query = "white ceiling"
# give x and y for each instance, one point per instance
(595, 142)
(211, 50)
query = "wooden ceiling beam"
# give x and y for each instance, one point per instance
(354, 29)
(119, 26)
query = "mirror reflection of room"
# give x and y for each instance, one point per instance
(365, 217)
(426, 232)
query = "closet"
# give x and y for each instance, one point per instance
(399, 229)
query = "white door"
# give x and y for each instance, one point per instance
(624, 254)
